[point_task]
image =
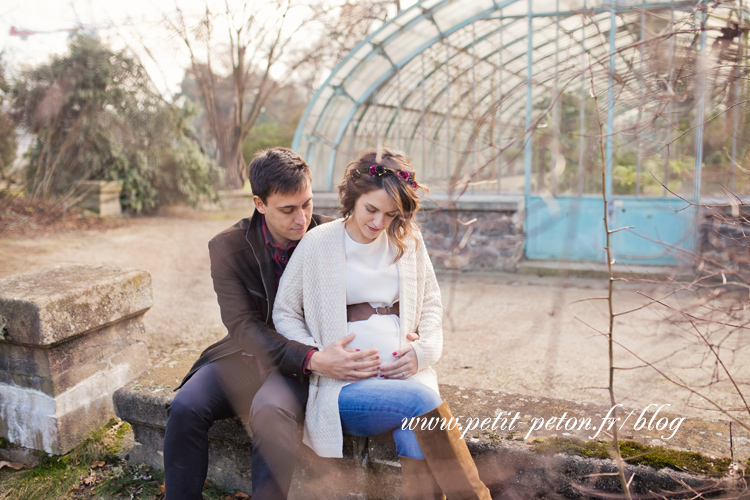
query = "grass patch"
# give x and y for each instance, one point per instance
(90, 471)
(636, 453)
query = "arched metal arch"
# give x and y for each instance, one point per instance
(344, 72)
(353, 90)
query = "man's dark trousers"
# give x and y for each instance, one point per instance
(229, 386)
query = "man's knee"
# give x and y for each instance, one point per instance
(187, 411)
(269, 413)
(279, 402)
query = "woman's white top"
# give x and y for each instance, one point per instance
(371, 277)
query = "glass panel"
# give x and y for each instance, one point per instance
(456, 12)
(364, 77)
(409, 41)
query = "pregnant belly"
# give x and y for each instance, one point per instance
(379, 332)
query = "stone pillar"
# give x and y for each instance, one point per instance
(101, 197)
(68, 340)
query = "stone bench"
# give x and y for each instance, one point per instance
(70, 338)
(505, 456)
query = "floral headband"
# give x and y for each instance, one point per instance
(380, 171)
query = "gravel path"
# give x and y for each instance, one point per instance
(535, 336)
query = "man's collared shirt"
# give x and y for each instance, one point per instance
(280, 254)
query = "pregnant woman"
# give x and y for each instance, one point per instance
(369, 274)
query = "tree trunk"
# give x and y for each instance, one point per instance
(231, 160)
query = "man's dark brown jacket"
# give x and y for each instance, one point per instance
(245, 285)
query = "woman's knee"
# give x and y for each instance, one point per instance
(424, 399)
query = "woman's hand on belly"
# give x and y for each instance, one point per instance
(405, 365)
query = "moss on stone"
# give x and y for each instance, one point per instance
(659, 457)
(573, 446)
(636, 453)
(118, 435)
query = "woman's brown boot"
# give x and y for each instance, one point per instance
(448, 457)
(417, 481)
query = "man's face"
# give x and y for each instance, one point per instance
(287, 215)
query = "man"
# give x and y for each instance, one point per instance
(254, 370)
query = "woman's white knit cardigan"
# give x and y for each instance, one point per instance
(310, 308)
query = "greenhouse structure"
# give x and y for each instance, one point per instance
(554, 104)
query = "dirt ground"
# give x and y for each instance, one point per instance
(529, 335)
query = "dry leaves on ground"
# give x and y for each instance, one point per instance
(20, 217)
(237, 494)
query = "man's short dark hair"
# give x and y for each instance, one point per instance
(278, 170)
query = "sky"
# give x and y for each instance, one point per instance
(134, 24)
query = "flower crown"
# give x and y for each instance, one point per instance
(380, 171)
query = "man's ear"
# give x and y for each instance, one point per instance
(259, 205)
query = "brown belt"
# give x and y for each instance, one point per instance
(363, 311)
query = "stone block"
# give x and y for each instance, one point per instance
(70, 341)
(101, 197)
(57, 303)
(55, 369)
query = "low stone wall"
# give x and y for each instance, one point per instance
(470, 234)
(724, 239)
(505, 455)
(69, 340)
(486, 232)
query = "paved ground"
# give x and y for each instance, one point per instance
(536, 336)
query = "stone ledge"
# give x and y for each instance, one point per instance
(506, 460)
(53, 304)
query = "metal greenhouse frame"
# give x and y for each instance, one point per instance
(557, 103)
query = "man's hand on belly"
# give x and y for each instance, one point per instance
(344, 363)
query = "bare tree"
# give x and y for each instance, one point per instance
(257, 50)
(671, 87)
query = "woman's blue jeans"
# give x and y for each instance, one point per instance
(375, 406)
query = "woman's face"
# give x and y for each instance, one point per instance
(373, 213)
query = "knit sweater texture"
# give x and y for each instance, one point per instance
(311, 308)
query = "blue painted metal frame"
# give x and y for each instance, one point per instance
(529, 95)
(701, 110)
(485, 58)
(378, 49)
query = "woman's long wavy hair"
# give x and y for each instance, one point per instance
(404, 193)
